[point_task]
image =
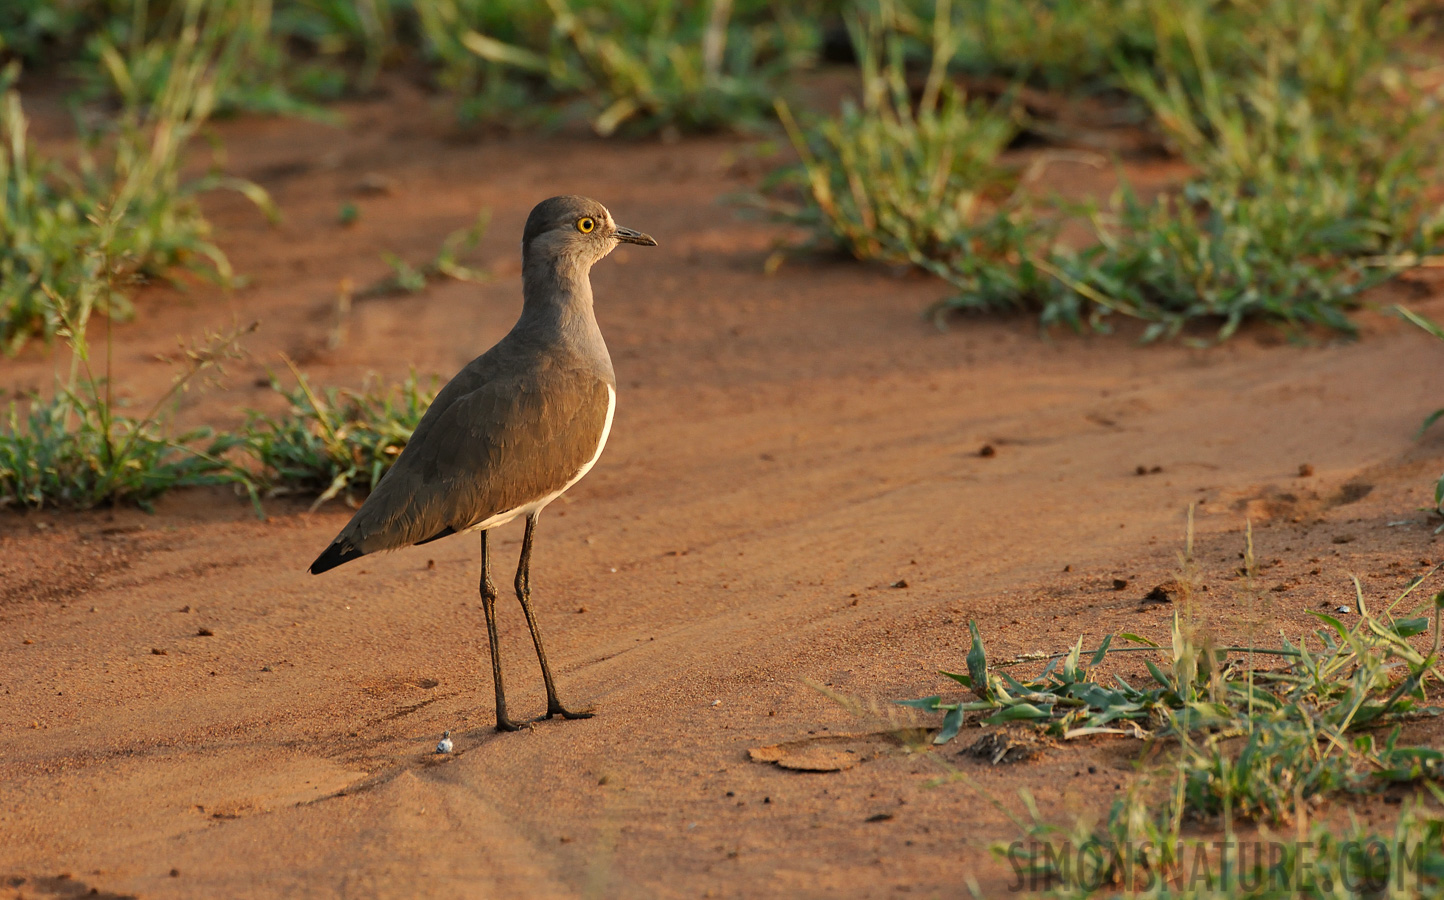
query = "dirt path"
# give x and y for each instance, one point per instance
(787, 448)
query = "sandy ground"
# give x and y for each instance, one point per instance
(793, 502)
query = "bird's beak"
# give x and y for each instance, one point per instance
(628, 236)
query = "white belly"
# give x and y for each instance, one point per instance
(537, 506)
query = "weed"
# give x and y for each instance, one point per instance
(409, 279)
(1138, 851)
(333, 442)
(1310, 189)
(54, 219)
(132, 57)
(1060, 44)
(651, 66)
(917, 184)
(1309, 148)
(485, 83)
(77, 451)
(1301, 723)
(1302, 252)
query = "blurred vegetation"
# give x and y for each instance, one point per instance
(916, 182)
(124, 204)
(1309, 136)
(645, 64)
(1311, 151)
(1310, 145)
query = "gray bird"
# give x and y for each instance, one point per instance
(515, 428)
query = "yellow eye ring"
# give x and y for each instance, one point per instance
(585, 224)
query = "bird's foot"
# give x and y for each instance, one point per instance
(556, 709)
(505, 724)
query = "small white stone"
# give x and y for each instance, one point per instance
(716, 702)
(445, 744)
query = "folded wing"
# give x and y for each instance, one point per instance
(500, 446)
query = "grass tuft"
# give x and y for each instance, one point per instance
(333, 442)
(916, 183)
(127, 206)
(1252, 741)
(646, 67)
(1311, 154)
(77, 451)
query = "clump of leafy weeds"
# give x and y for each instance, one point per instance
(1309, 153)
(1139, 850)
(54, 219)
(645, 67)
(1250, 735)
(409, 279)
(333, 442)
(78, 449)
(917, 183)
(1296, 253)
(1310, 150)
(1305, 726)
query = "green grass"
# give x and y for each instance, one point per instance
(919, 183)
(1312, 171)
(280, 56)
(63, 454)
(80, 449)
(1234, 742)
(333, 442)
(1136, 852)
(1251, 738)
(1299, 251)
(641, 67)
(133, 58)
(1304, 721)
(409, 279)
(638, 66)
(85, 234)
(1311, 152)
(1068, 45)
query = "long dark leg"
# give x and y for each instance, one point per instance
(523, 593)
(488, 604)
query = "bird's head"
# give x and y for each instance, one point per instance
(575, 229)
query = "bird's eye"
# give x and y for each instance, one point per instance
(585, 224)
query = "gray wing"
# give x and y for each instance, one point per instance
(503, 444)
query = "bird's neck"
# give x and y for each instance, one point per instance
(556, 288)
(557, 300)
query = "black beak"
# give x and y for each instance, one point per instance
(628, 236)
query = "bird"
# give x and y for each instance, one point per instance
(514, 429)
(444, 745)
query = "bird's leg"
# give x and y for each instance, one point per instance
(488, 604)
(523, 593)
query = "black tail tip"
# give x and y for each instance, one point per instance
(334, 555)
